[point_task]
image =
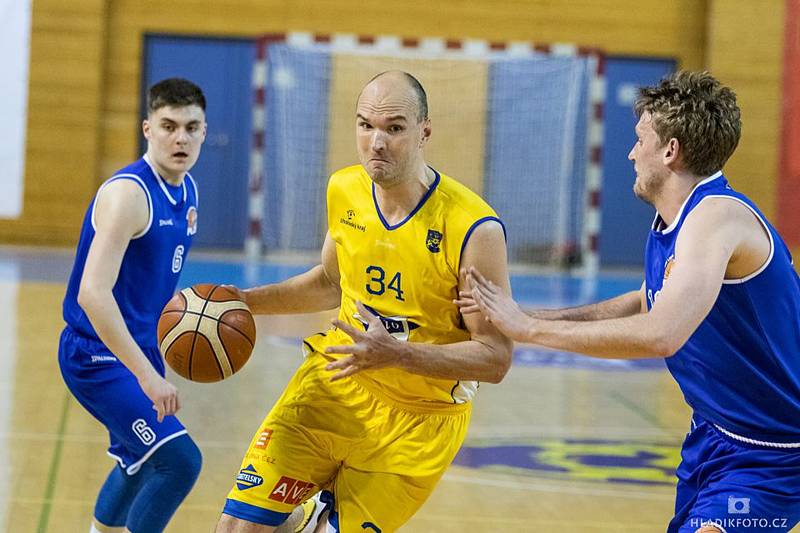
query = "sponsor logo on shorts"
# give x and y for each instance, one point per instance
(291, 491)
(103, 359)
(263, 439)
(143, 431)
(248, 478)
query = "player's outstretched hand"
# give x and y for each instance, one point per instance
(465, 302)
(371, 349)
(498, 308)
(162, 393)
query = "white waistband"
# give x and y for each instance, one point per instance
(757, 442)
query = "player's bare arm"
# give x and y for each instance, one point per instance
(121, 212)
(627, 304)
(315, 290)
(713, 233)
(485, 357)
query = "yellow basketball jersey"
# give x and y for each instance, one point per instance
(406, 273)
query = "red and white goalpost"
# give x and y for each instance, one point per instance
(563, 227)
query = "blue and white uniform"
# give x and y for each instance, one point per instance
(147, 279)
(740, 373)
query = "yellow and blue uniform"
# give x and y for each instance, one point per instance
(382, 438)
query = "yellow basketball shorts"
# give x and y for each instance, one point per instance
(381, 460)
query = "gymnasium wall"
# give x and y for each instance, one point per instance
(86, 70)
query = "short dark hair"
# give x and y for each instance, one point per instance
(419, 92)
(696, 109)
(177, 92)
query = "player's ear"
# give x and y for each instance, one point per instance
(672, 150)
(426, 132)
(146, 129)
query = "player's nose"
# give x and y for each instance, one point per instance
(378, 142)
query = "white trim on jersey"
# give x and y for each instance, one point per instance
(162, 183)
(132, 469)
(146, 192)
(671, 227)
(757, 442)
(196, 192)
(766, 228)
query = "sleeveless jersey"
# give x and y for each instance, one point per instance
(152, 263)
(406, 273)
(740, 370)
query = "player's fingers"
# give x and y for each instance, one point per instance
(365, 313)
(347, 328)
(481, 281)
(349, 371)
(351, 349)
(159, 407)
(469, 309)
(339, 364)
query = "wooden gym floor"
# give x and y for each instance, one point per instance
(565, 443)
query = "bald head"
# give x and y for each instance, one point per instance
(390, 79)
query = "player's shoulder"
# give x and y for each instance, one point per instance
(460, 198)
(346, 175)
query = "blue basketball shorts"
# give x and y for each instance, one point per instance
(735, 486)
(111, 393)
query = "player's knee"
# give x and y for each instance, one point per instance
(181, 459)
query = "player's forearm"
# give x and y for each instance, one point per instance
(308, 292)
(103, 312)
(627, 304)
(468, 361)
(632, 337)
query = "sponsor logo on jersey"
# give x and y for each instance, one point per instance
(165, 222)
(290, 490)
(248, 478)
(398, 327)
(433, 240)
(191, 221)
(350, 220)
(652, 297)
(668, 266)
(263, 439)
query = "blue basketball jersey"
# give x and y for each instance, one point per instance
(154, 258)
(740, 370)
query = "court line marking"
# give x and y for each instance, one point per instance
(52, 473)
(646, 415)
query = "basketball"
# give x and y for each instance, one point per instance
(206, 333)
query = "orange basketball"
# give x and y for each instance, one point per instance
(206, 333)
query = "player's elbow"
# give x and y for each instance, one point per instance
(89, 297)
(666, 345)
(501, 363)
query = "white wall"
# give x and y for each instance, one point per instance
(15, 33)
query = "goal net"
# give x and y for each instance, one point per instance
(518, 124)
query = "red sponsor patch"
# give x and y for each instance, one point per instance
(289, 490)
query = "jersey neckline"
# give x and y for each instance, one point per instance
(165, 187)
(671, 227)
(436, 179)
